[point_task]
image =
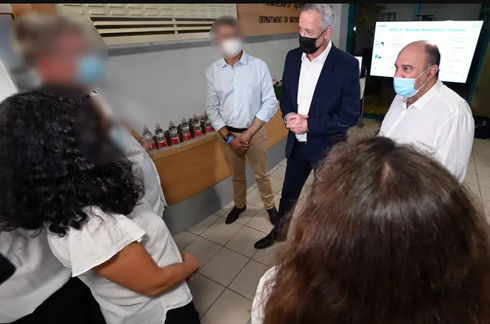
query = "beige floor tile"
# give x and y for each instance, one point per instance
(485, 193)
(486, 206)
(247, 280)
(220, 232)
(276, 184)
(254, 198)
(203, 249)
(200, 227)
(475, 190)
(183, 239)
(482, 161)
(279, 173)
(481, 152)
(230, 308)
(268, 256)
(484, 181)
(248, 214)
(271, 171)
(283, 162)
(204, 292)
(251, 188)
(223, 211)
(244, 241)
(471, 168)
(482, 170)
(471, 178)
(261, 222)
(224, 266)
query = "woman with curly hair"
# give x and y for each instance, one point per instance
(386, 236)
(98, 225)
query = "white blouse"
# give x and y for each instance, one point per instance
(100, 239)
(261, 296)
(38, 274)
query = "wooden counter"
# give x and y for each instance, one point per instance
(198, 164)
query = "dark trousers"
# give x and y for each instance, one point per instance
(73, 303)
(298, 169)
(183, 315)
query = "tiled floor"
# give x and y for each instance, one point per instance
(230, 266)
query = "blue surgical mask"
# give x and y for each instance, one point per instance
(118, 136)
(405, 87)
(90, 69)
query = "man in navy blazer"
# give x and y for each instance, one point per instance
(320, 101)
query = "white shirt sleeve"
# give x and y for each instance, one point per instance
(102, 237)
(454, 144)
(261, 296)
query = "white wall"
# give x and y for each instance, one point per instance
(167, 82)
(158, 83)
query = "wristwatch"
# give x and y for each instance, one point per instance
(225, 138)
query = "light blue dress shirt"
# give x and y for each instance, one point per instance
(236, 95)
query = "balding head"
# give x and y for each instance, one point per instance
(419, 60)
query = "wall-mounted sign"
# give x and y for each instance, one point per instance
(269, 18)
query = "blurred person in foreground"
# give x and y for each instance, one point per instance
(61, 52)
(426, 113)
(240, 101)
(320, 101)
(386, 236)
(97, 222)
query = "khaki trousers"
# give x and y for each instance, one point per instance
(257, 156)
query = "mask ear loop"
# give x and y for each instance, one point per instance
(423, 85)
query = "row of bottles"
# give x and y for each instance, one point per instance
(193, 128)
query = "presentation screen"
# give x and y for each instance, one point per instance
(456, 41)
(359, 58)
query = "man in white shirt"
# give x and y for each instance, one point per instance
(240, 100)
(428, 114)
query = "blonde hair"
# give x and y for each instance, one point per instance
(34, 32)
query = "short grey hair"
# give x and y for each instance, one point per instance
(224, 21)
(327, 14)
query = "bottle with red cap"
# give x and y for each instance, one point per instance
(148, 136)
(197, 127)
(186, 133)
(160, 135)
(174, 134)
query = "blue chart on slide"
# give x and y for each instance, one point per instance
(456, 41)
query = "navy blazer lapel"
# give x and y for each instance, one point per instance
(324, 79)
(295, 78)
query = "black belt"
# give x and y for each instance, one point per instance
(236, 130)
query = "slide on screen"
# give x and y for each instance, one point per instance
(456, 41)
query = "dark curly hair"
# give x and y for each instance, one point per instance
(46, 182)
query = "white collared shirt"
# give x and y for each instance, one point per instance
(439, 123)
(308, 78)
(238, 94)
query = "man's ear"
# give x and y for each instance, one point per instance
(433, 71)
(328, 33)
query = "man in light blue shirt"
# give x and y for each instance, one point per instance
(240, 100)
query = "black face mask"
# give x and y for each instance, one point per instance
(308, 44)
